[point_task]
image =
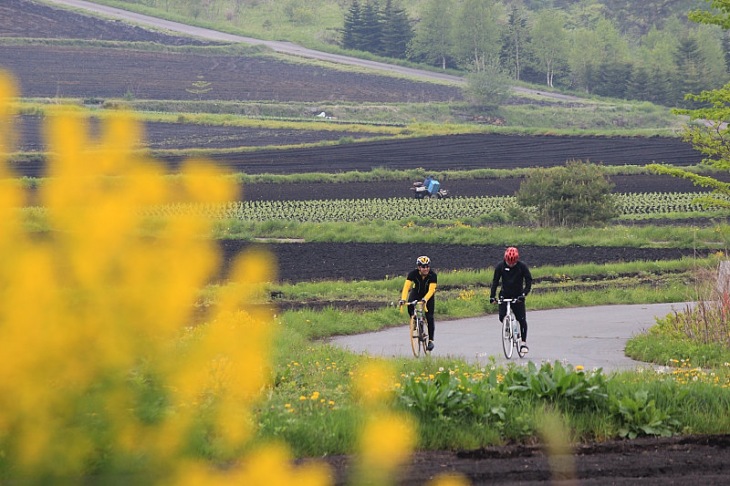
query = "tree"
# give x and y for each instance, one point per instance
(689, 64)
(372, 27)
(351, 32)
(637, 17)
(397, 31)
(477, 34)
(549, 42)
(577, 194)
(432, 42)
(488, 88)
(515, 38)
(718, 15)
(638, 87)
(613, 79)
(598, 59)
(709, 134)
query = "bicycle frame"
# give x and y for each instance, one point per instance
(510, 331)
(417, 329)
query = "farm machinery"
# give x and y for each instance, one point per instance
(430, 187)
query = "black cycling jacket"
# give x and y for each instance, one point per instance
(516, 280)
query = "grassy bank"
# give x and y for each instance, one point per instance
(458, 405)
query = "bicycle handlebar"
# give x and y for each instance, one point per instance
(413, 303)
(510, 301)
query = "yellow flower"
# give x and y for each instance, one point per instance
(104, 303)
(373, 382)
(386, 442)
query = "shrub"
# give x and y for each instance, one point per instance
(577, 194)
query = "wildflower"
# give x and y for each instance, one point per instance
(374, 381)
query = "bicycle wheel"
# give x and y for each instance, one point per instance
(424, 337)
(415, 337)
(517, 338)
(507, 336)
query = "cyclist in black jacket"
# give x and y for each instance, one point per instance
(516, 284)
(421, 285)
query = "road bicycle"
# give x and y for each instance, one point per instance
(510, 331)
(417, 329)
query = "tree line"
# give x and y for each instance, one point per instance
(646, 50)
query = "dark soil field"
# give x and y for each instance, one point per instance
(98, 72)
(299, 262)
(437, 153)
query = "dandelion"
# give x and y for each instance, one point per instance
(374, 381)
(386, 443)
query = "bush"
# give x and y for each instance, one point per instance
(577, 194)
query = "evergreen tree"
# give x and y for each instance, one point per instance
(638, 87)
(688, 60)
(661, 90)
(351, 32)
(372, 28)
(397, 31)
(613, 79)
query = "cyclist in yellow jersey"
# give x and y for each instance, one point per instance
(421, 285)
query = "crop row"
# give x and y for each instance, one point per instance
(397, 209)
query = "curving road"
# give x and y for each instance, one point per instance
(593, 337)
(278, 46)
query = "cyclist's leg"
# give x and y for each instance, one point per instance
(521, 314)
(431, 329)
(430, 320)
(410, 309)
(431, 306)
(411, 297)
(502, 311)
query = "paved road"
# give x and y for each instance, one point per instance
(590, 336)
(278, 46)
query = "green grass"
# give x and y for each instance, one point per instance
(462, 406)
(458, 233)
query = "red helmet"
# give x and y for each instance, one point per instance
(511, 255)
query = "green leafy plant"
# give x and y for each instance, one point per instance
(448, 396)
(559, 384)
(639, 416)
(577, 194)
